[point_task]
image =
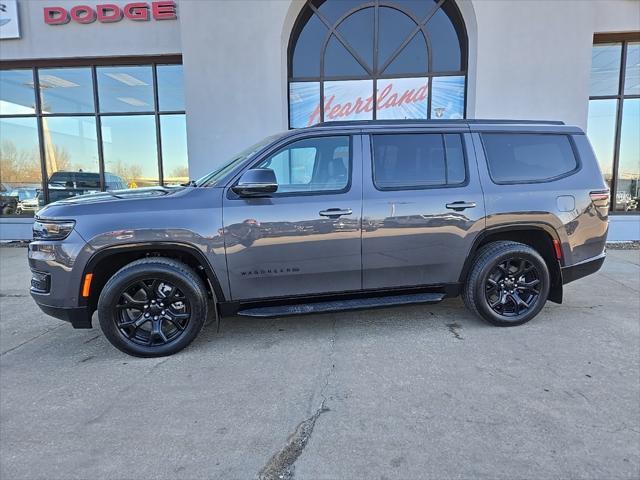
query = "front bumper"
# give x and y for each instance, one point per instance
(79, 317)
(582, 269)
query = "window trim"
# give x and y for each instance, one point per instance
(421, 187)
(93, 63)
(623, 38)
(570, 173)
(275, 148)
(376, 72)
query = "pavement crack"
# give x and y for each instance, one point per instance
(30, 340)
(13, 295)
(281, 465)
(454, 328)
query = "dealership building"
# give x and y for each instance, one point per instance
(100, 95)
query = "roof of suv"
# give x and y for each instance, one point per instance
(471, 124)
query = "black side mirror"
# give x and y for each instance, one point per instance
(256, 182)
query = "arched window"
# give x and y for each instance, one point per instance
(413, 53)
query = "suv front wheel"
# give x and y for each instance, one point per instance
(508, 283)
(153, 307)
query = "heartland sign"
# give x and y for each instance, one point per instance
(111, 13)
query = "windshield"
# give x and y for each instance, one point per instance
(210, 179)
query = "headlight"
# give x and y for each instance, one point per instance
(51, 229)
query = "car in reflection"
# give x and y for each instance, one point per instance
(65, 184)
(27, 200)
(8, 204)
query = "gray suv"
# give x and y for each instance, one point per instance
(334, 217)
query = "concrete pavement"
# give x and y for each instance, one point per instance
(401, 393)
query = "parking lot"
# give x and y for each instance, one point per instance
(401, 393)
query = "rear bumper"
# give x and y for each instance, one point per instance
(79, 317)
(582, 269)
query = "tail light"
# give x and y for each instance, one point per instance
(600, 198)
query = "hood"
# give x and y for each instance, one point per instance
(116, 201)
(115, 195)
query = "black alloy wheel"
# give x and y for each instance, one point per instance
(508, 283)
(153, 307)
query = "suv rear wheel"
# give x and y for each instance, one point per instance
(153, 307)
(508, 284)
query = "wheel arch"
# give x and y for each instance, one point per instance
(104, 263)
(539, 236)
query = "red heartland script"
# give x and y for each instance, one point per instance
(385, 99)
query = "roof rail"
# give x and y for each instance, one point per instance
(473, 121)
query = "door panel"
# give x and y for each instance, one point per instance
(283, 245)
(410, 237)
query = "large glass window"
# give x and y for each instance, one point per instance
(357, 60)
(614, 116)
(129, 149)
(66, 90)
(132, 124)
(125, 89)
(20, 170)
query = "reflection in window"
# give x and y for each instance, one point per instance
(71, 153)
(357, 30)
(175, 166)
(17, 95)
(20, 172)
(614, 119)
(632, 72)
(129, 144)
(125, 89)
(170, 88)
(444, 43)
(605, 69)
(68, 125)
(66, 90)
(601, 132)
(628, 181)
(408, 39)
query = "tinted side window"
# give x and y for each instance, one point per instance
(311, 165)
(526, 157)
(417, 160)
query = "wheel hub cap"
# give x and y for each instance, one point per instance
(513, 287)
(152, 312)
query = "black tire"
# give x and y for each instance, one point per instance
(505, 277)
(153, 307)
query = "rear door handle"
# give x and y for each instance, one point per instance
(459, 206)
(335, 212)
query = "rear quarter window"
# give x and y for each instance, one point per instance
(528, 157)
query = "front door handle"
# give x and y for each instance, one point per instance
(336, 212)
(459, 206)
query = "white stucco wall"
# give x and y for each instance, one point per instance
(236, 90)
(534, 57)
